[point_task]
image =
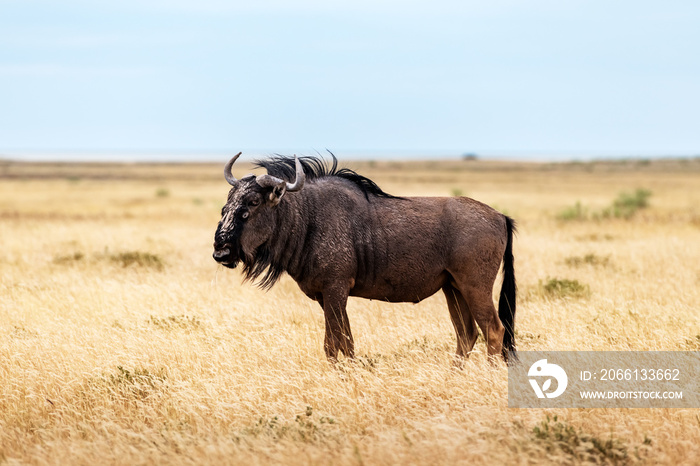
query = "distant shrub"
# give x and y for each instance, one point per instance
(19, 331)
(162, 192)
(456, 192)
(624, 207)
(306, 427)
(125, 259)
(594, 237)
(575, 212)
(562, 288)
(588, 259)
(693, 343)
(141, 259)
(557, 436)
(627, 204)
(139, 383)
(68, 258)
(175, 322)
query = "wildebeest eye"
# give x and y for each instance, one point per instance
(255, 202)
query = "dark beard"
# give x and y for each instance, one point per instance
(262, 263)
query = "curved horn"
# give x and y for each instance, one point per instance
(268, 181)
(227, 171)
(301, 177)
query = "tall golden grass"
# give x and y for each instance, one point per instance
(124, 343)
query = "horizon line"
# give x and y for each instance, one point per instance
(195, 155)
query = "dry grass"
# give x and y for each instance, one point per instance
(124, 343)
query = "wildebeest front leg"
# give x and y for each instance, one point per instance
(338, 334)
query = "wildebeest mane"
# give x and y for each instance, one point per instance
(282, 166)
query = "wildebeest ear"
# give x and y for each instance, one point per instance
(276, 193)
(274, 188)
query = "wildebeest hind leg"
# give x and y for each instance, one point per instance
(338, 335)
(480, 303)
(463, 322)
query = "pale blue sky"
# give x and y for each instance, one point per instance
(521, 78)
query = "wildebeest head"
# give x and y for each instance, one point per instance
(247, 219)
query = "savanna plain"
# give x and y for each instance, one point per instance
(123, 342)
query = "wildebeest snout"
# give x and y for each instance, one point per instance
(223, 254)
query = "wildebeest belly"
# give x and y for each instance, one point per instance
(397, 288)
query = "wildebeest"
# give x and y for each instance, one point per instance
(337, 234)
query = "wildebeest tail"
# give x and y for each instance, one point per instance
(506, 302)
